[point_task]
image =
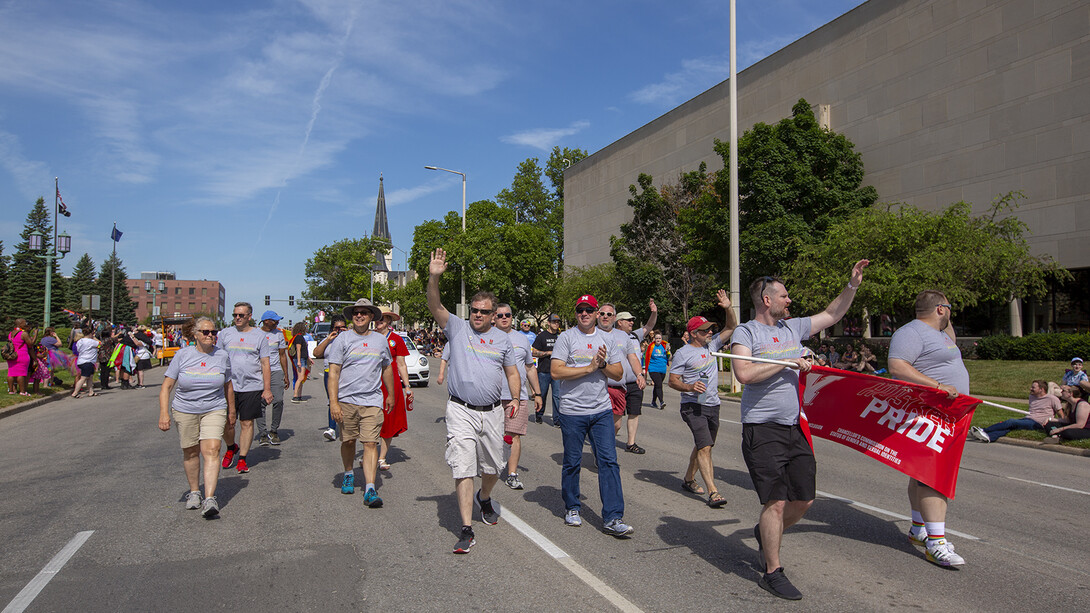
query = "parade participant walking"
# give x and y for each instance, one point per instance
(396, 421)
(617, 390)
(925, 351)
(514, 427)
(251, 381)
(634, 379)
(583, 358)
(203, 405)
(542, 347)
(655, 364)
(482, 363)
(86, 355)
(337, 326)
(19, 367)
(359, 364)
(300, 360)
(695, 373)
(526, 328)
(278, 369)
(780, 461)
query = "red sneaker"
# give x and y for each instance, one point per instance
(242, 468)
(228, 458)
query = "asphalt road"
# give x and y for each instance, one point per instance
(288, 540)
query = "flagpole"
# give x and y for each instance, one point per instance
(113, 267)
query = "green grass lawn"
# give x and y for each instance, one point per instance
(6, 400)
(1010, 379)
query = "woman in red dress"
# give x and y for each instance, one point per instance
(396, 421)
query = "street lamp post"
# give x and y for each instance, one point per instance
(154, 296)
(461, 305)
(62, 244)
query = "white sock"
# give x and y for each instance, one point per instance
(370, 486)
(935, 530)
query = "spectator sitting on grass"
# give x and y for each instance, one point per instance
(1079, 428)
(848, 359)
(1042, 408)
(1074, 376)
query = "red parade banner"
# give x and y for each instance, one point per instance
(917, 430)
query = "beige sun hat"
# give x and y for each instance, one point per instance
(362, 303)
(388, 311)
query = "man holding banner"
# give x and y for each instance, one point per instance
(776, 450)
(924, 351)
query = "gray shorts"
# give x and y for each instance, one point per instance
(474, 441)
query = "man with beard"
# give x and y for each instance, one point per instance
(780, 460)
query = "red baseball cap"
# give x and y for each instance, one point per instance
(587, 299)
(698, 323)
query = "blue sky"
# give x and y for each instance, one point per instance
(230, 140)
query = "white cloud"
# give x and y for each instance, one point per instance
(544, 138)
(32, 177)
(695, 76)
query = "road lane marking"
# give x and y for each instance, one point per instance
(889, 513)
(23, 599)
(1058, 487)
(567, 562)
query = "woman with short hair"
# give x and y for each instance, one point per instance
(203, 405)
(86, 356)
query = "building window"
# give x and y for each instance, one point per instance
(204, 291)
(178, 306)
(177, 291)
(192, 307)
(192, 291)
(148, 307)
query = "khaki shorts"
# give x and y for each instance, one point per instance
(360, 422)
(196, 427)
(474, 441)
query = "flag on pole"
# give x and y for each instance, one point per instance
(116, 234)
(62, 208)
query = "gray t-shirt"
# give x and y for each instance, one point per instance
(246, 350)
(691, 363)
(201, 377)
(476, 362)
(627, 345)
(586, 395)
(776, 399)
(523, 358)
(931, 352)
(276, 343)
(362, 358)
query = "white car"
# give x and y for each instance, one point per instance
(416, 363)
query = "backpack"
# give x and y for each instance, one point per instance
(7, 351)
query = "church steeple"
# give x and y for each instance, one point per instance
(382, 229)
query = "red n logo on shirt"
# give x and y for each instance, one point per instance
(589, 346)
(775, 340)
(482, 341)
(365, 344)
(703, 355)
(203, 364)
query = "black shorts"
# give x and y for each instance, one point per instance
(143, 365)
(249, 405)
(780, 461)
(633, 399)
(703, 421)
(87, 369)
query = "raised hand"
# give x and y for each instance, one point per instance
(723, 298)
(438, 264)
(857, 272)
(651, 305)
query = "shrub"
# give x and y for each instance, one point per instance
(1057, 346)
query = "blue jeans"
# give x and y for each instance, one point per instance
(329, 410)
(547, 384)
(599, 426)
(1003, 428)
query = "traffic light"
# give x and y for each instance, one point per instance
(266, 300)
(291, 300)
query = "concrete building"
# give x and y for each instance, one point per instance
(178, 296)
(946, 100)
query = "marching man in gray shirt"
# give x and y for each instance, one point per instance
(482, 361)
(780, 460)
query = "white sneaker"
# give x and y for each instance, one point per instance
(942, 553)
(918, 538)
(193, 501)
(979, 434)
(329, 434)
(573, 519)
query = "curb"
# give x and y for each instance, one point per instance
(24, 406)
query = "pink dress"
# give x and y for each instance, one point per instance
(21, 366)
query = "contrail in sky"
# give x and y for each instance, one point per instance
(316, 106)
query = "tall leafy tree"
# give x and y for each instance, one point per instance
(652, 255)
(4, 263)
(601, 281)
(976, 260)
(81, 283)
(25, 296)
(124, 307)
(795, 181)
(342, 271)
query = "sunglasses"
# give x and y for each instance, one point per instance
(503, 315)
(604, 314)
(477, 311)
(340, 328)
(209, 332)
(359, 313)
(240, 314)
(949, 307)
(585, 310)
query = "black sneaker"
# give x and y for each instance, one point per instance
(777, 584)
(488, 514)
(634, 448)
(465, 541)
(537, 418)
(263, 440)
